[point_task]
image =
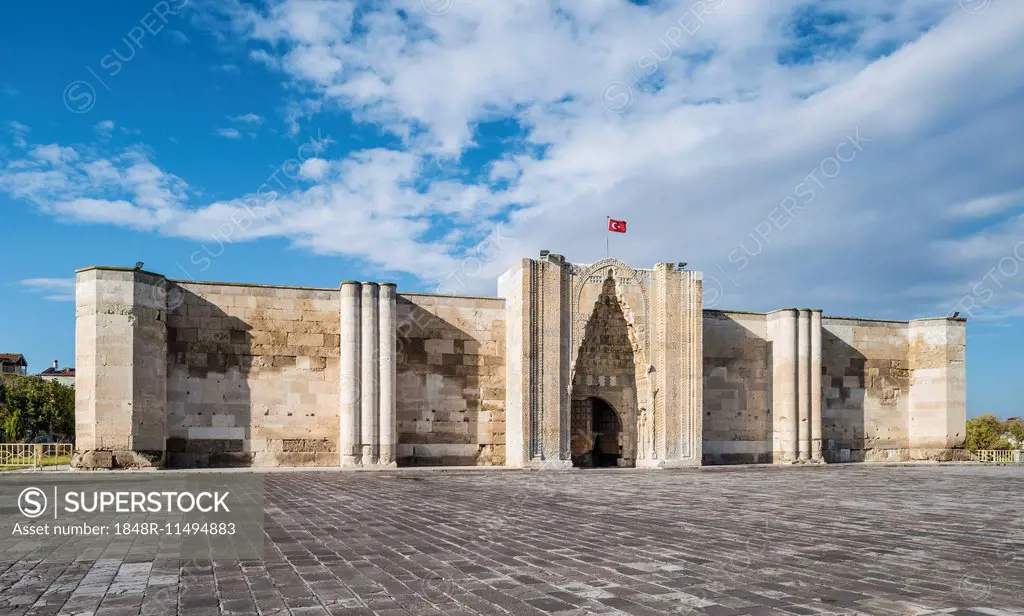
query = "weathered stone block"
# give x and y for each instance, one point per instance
(177, 444)
(92, 460)
(214, 445)
(308, 445)
(138, 459)
(231, 459)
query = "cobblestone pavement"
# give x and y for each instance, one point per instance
(848, 539)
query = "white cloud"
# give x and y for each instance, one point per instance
(18, 133)
(104, 129)
(54, 289)
(53, 153)
(125, 189)
(698, 159)
(178, 37)
(229, 133)
(314, 168)
(988, 205)
(248, 118)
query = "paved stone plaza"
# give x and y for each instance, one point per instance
(755, 540)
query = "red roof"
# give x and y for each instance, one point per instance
(13, 358)
(62, 372)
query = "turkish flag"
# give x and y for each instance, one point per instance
(616, 226)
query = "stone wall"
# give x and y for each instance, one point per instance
(194, 374)
(451, 380)
(889, 390)
(737, 388)
(865, 389)
(252, 376)
(213, 374)
(893, 390)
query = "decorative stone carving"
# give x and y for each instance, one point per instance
(637, 312)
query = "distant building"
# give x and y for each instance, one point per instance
(13, 363)
(64, 376)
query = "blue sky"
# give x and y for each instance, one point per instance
(858, 156)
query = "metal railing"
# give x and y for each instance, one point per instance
(995, 455)
(34, 455)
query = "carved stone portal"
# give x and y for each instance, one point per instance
(602, 349)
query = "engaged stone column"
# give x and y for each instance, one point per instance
(782, 332)
(803, 375)
(369, 366)
(388, 375)
(816, 449)
(349, 374)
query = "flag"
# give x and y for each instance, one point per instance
(616, 226)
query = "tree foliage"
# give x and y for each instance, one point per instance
(31, 407)
(989, 432)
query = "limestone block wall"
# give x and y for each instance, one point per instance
(737, 388)
(793, 385)
(218, 374)
(894, 390)
(451, 380)
(865, 389)
(252, 376)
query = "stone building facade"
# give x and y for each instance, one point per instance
(571, 365)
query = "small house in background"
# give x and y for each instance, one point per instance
(64, 376)
(13, 363)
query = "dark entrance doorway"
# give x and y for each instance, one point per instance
(596, 432)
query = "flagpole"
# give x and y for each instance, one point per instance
(607, 234)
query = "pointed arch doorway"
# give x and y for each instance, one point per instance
(596, 434)
(607, 383)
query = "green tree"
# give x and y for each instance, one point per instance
(32, 407)
(987, 432)
(1015, 431)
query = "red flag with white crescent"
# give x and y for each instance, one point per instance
(616, 226)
